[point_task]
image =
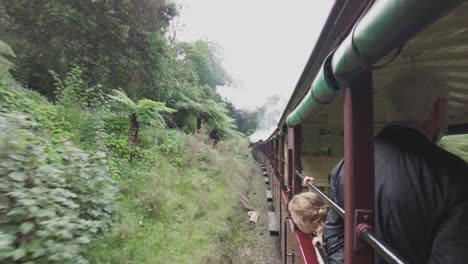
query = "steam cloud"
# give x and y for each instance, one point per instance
(268, 117)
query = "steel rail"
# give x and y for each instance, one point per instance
(382, 249)
(364, 233)
(322, 253)
(335, 207)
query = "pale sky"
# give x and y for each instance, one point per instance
(265, 44)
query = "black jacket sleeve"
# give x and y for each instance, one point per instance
(333, 234)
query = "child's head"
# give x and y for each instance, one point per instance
(308, 211)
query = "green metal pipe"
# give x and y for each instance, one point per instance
(321, 93)
(385, 27)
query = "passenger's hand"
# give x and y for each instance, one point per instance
(308, 179)
(317, 240)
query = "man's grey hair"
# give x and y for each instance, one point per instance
(411, 94)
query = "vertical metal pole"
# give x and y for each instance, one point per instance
(281, 160)
(275, 157)
(278, 155)
(297, 142)
(270, 150)
(289, 180)
(359, 167)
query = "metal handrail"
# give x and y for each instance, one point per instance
(366, 233)
(380, 247)
(335, 207)
(322, 253)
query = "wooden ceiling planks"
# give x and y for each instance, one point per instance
(441, 47)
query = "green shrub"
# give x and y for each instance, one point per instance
(54, 199)
(74, 92)
(119, 147)
(49, 119)
(117, 124)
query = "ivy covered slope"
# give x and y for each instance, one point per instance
(98, 178)
(54, 197)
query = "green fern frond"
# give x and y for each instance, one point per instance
(6, 50)
(157, 106)
(5, 65)
(121, 97)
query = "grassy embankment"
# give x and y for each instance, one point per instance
(176, 201)
(179, 205)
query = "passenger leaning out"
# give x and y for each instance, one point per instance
(308, 212)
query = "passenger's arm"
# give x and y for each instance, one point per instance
(333, 235)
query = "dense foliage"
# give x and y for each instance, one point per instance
(58, 197)
(110, 40)
(73, 189)
(55, 198)
(143, 112)
(247, 121)
(99, 153)
(113, 45)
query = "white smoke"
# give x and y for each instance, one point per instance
(269, 115)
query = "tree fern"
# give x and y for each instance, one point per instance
(5, 64)
(144, 112)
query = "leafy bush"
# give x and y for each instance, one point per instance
(48, 118)
(117, 124)
(74, 91)
(54, 199)
(119, 147)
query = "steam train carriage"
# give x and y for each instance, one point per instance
(337, 107)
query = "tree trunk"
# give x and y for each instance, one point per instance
(215, 136)
(133, 139)
(198, 124)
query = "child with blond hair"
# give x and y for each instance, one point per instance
(308, 212)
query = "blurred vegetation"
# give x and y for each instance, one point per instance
(457, 144)
(55, 197)
(116, 147)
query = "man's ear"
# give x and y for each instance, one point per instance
(439, 107)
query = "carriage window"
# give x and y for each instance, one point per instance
(456, 144)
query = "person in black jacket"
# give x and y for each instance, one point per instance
(421, 196)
